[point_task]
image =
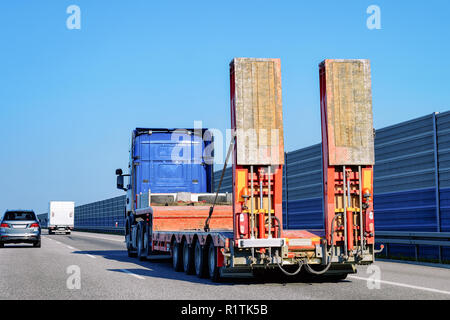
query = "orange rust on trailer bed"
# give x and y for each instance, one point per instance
(191, 218)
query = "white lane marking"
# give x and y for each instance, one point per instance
(72, 248)
(402, 285)
(132, 274)
(69, 247)
(118, 240)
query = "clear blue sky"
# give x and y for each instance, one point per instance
(70, 98)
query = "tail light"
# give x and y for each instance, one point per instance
(243, 224)
(369, 222)
(34, 225)
(4, 225)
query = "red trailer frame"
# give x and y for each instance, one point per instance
(248, 235)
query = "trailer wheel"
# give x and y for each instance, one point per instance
(140, 242)
(336, 277)
(199, 260)
(213, 269)
(188, 258)
(177, 257)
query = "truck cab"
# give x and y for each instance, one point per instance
(164, 162)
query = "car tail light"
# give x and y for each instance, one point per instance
(34, 225)
(4, 225)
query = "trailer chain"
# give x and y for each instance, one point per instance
(309, 268)
(211, 209)
(300, 265)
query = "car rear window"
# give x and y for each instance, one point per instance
(18, 216)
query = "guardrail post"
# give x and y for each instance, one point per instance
(436, 181)
(416, 251)
(286, 192)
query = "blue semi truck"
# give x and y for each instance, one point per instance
(167, 168)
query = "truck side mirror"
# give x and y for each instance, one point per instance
(120, 180)
(120, 183)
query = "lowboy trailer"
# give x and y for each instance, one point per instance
(214, 235)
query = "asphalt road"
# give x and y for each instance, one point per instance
(106, 272)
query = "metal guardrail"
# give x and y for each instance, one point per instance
(114, 230)
(439, 239)
(415, 238)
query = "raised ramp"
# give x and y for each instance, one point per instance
(257, 111)
(349, 119)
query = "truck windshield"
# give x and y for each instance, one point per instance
(18, 216)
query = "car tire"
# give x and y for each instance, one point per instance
(37, 244)
(2, 245)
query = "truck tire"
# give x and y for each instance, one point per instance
(140, 242)
(147, 237)
(188, 258)
(213, 269)
(177, 257)
(199, 260)
(128, 241)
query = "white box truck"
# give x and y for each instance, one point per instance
(60, 216)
